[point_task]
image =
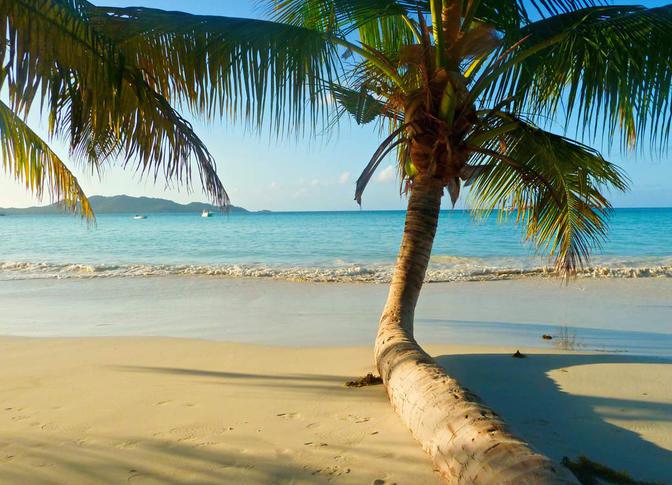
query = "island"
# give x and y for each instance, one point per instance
(126, 204)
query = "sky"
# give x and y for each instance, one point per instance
(303, 174)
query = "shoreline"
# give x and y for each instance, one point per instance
(457, 270)
(632, 316)
(170, 410)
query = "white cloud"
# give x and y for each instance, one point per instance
(386, 175)
(344, 178)
(314, 182)
(274, 185)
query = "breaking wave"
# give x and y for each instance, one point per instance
(442, 269)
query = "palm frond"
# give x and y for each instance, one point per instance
(350, 15)
(27, 158)
(94, 95)
(510, 16)
(254, 70)
(363, 106)
(345, 16)
(607, 68)
(505, 15)
(389, 144)
(555, 185)
(381, 27)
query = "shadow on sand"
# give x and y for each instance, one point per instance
(561, 424)
(151, 461)
(292, 383)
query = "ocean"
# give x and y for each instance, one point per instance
(309, 246)
(220, 278)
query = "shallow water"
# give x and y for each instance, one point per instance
(610, 315)
(314, 246)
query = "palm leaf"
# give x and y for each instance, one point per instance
(30, 160)
(607, 68)
(555, 185)
(345, 16)
(94, 96)
(362, 105)
(389, 144)
(510, 16)
(350, 15)
(383, 25)
(248, 69)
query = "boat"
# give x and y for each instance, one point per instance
(206, 214)
(139, 216)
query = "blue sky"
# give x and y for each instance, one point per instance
(306, 174)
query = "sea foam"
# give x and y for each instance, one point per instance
(462, 270)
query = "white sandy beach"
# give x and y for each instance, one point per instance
(149, 409)
(156, 410)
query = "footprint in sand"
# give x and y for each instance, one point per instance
(289, 415)
(358, 419)
(49, 427)
(134, 475)
(331, 471)
(316, 445)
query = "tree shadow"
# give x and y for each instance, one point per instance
(55, 461)
(558, 423)
(297, 383)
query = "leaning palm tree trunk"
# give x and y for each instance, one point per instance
(467, 441)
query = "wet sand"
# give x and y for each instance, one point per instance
(605, 314)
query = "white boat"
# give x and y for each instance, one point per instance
(206, 214)
(139, 216)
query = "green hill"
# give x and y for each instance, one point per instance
(125, 204)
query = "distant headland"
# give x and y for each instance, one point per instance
(125, 204)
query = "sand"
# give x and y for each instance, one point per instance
(109, 398)
(187, 411)
(164, 410)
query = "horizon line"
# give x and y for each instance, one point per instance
(361, 209)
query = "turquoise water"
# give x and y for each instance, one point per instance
(308, 245)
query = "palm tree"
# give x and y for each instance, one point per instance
(465, 90)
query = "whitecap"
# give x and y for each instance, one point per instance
(380, 273)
